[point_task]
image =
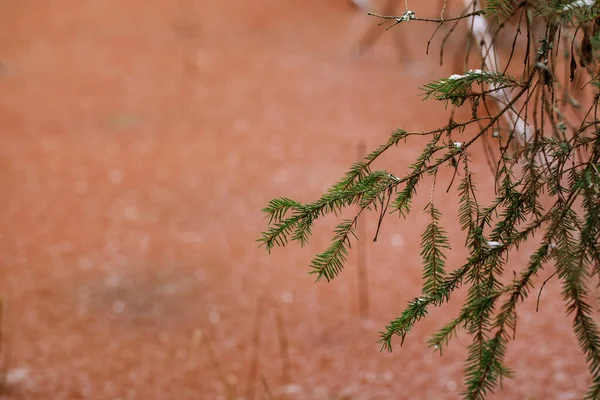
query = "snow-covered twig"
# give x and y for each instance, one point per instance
(484, 38)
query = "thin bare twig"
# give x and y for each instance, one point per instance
(537, 304)
(404, 18)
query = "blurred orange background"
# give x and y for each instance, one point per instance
(139, 142)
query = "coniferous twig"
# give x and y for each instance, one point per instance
(555, 163)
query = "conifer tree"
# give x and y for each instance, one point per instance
(540, 123)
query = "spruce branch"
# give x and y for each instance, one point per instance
(457, 88)
(543, 154)
(331, 262)
(484, 373)
(572, 269)
(362, 168)
(433, 241)
(496, 8)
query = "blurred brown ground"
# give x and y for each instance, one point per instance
(139, 141)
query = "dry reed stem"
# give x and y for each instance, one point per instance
(284, 349)
(361, 253)
(3, 355)
(277, 315)
(201, 337)
(268, 394)
(255, 357)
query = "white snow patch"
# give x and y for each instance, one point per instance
(16, 375)
(118, 307)
(363, 5)
(397, 240)
(578, 4)
(388, 376)
(567, 395)
(287, 297)
(293, 389)
(370, 377)
(451, 385)
(407, 16)
(368, 324)
(214, 317)
(475, 72)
